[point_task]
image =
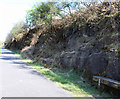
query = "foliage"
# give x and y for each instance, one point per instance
(73, 16)
(42, 13)
(9, 38)
(18, 29)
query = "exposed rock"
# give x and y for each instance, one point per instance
(97, 63)
(82, 57)
(113, 69)
(45, 61)
(67, 59)
(27, 52)
(81, 61)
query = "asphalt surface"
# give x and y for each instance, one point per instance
(18, 79)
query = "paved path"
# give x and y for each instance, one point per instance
(21, 80)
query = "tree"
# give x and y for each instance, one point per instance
(42, 13)
(18, 28)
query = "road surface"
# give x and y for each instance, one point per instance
(18, 79)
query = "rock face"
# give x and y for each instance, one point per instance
(97, 63)
(113, 69)
(68, 59)
(27, 52)
(81, 61)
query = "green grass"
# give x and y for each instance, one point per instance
(67, 79)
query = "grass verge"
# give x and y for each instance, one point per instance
(67, 79)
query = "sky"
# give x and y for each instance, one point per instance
(11, 12)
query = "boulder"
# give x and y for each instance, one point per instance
(45, 61)
(67, 59)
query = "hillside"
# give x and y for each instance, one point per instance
(88, 42)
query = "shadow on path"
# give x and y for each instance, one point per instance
(7, 52)
(10, 58)
(34, 72)
(18, 63)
